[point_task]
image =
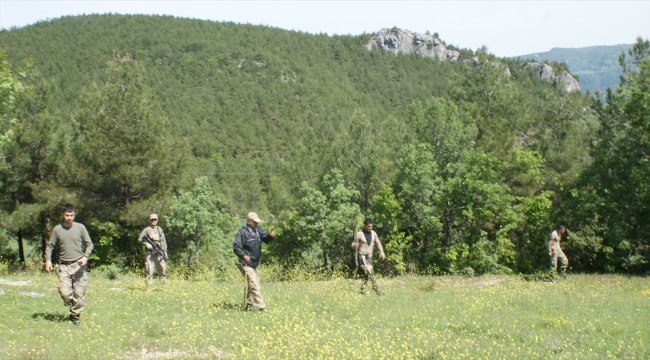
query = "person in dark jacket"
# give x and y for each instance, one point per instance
(248, 248)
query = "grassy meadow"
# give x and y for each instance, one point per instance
(488, 317)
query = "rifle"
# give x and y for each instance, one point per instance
(155, 248)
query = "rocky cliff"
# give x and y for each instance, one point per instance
(564, 80)
(398, 41)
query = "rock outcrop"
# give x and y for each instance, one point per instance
(564, 80)
(400, 41)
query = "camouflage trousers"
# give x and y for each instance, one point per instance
(367, 273)
(557, 253)
(73, 283)
(254, 296)
(155, 263)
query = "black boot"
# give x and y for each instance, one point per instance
(74, 319)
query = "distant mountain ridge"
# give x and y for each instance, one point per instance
(596, 66)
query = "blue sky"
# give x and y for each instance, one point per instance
(506, 28)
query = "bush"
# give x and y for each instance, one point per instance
(467, 271)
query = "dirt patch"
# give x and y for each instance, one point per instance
(33, 294)
(487, 281)
(15, 282)
(148, 353)
(469, 281)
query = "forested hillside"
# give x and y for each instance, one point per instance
(465, 167)
(596, 66)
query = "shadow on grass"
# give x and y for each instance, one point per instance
(50, 317)
(229, 306)
(538, 276)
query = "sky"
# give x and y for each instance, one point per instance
(506, 28)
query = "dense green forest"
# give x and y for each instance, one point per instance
(464, 167)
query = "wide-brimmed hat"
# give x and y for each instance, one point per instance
(253, 216)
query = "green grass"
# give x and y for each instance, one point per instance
(491, 317)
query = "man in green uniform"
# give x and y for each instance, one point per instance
(74, 246)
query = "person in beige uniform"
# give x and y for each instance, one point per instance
(74, 246)
(154, 262)
(364, 244)
(555, 252)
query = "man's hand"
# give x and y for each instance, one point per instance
(355, 245)
(272, 232)
(83, 261)
(382, 257)
(48, 266)
(247, 259)
(148, 246)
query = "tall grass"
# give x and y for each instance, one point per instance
(491, 317)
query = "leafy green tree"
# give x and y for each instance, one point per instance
(125, 154)
(478, 205)
(385, 212)
(448, 130)
(610, 206)
(418, 186)
(489, 95)
(11, 88)
(326, 218)
(123, 161)
(27, 154)
(363, 156)
(200, 219)
(526, 176)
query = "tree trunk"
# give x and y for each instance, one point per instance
(21, 250)
(326, 259)
(446, 227)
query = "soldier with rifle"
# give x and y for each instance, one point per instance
(153, 239)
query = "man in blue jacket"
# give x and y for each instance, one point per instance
(248, 247)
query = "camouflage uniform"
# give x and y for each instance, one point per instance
(556, 253)
(154, 262)
(364, 257)
(73, 281)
